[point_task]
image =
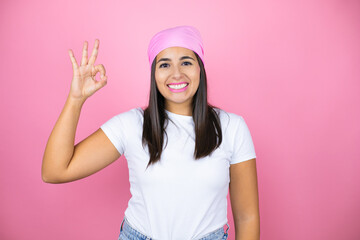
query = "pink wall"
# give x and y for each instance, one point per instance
(290, 68)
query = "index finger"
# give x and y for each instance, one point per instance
(94, 52)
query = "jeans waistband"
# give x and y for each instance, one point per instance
(131, 230)
(128, 228)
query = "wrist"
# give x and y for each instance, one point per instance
(76, 102)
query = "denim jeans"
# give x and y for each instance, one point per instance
(127, 232)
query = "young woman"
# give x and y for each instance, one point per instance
(183, 154)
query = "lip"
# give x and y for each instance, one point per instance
(178, 90)
(177, 83)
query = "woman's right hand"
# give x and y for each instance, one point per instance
(84, 84)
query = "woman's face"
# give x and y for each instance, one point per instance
(177, 75)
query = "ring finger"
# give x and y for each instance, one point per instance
(84, 54)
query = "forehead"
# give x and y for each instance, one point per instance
(173, 52)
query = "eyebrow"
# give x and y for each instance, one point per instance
(168, 59)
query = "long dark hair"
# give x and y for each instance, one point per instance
(208, 134)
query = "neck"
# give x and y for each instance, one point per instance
(182, 109)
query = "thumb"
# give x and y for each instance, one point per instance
(101, 83)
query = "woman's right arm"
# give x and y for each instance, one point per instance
(62, 161)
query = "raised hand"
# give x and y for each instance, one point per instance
(84, 84)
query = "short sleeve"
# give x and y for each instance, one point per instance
(118, 128)
(243, 146)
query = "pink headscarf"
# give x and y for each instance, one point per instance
(180, 36)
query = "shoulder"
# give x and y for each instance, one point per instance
(132, 114)
(229, 119)
(128, 118)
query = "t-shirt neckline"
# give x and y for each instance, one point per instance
(179, 116)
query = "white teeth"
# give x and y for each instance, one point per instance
(177, 86)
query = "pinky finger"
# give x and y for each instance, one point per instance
(73, 60)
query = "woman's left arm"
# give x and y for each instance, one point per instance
(245, 200)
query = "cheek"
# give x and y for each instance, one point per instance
(159, 78)
(159, 86)
(196, 76)
(159, 83)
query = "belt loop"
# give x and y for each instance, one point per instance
(227, 228)
(122, 224)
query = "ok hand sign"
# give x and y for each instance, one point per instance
(84, 84)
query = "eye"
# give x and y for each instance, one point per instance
(187, 63)
(162, 65)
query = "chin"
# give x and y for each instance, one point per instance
(178, 100)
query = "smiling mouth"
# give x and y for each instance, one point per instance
(178, 85)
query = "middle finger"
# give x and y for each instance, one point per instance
(94, 52)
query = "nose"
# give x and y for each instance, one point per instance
(177, 74)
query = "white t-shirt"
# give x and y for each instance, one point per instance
(178, 198)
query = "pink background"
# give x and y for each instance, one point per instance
(290, 68)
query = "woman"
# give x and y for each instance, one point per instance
(182, 153)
